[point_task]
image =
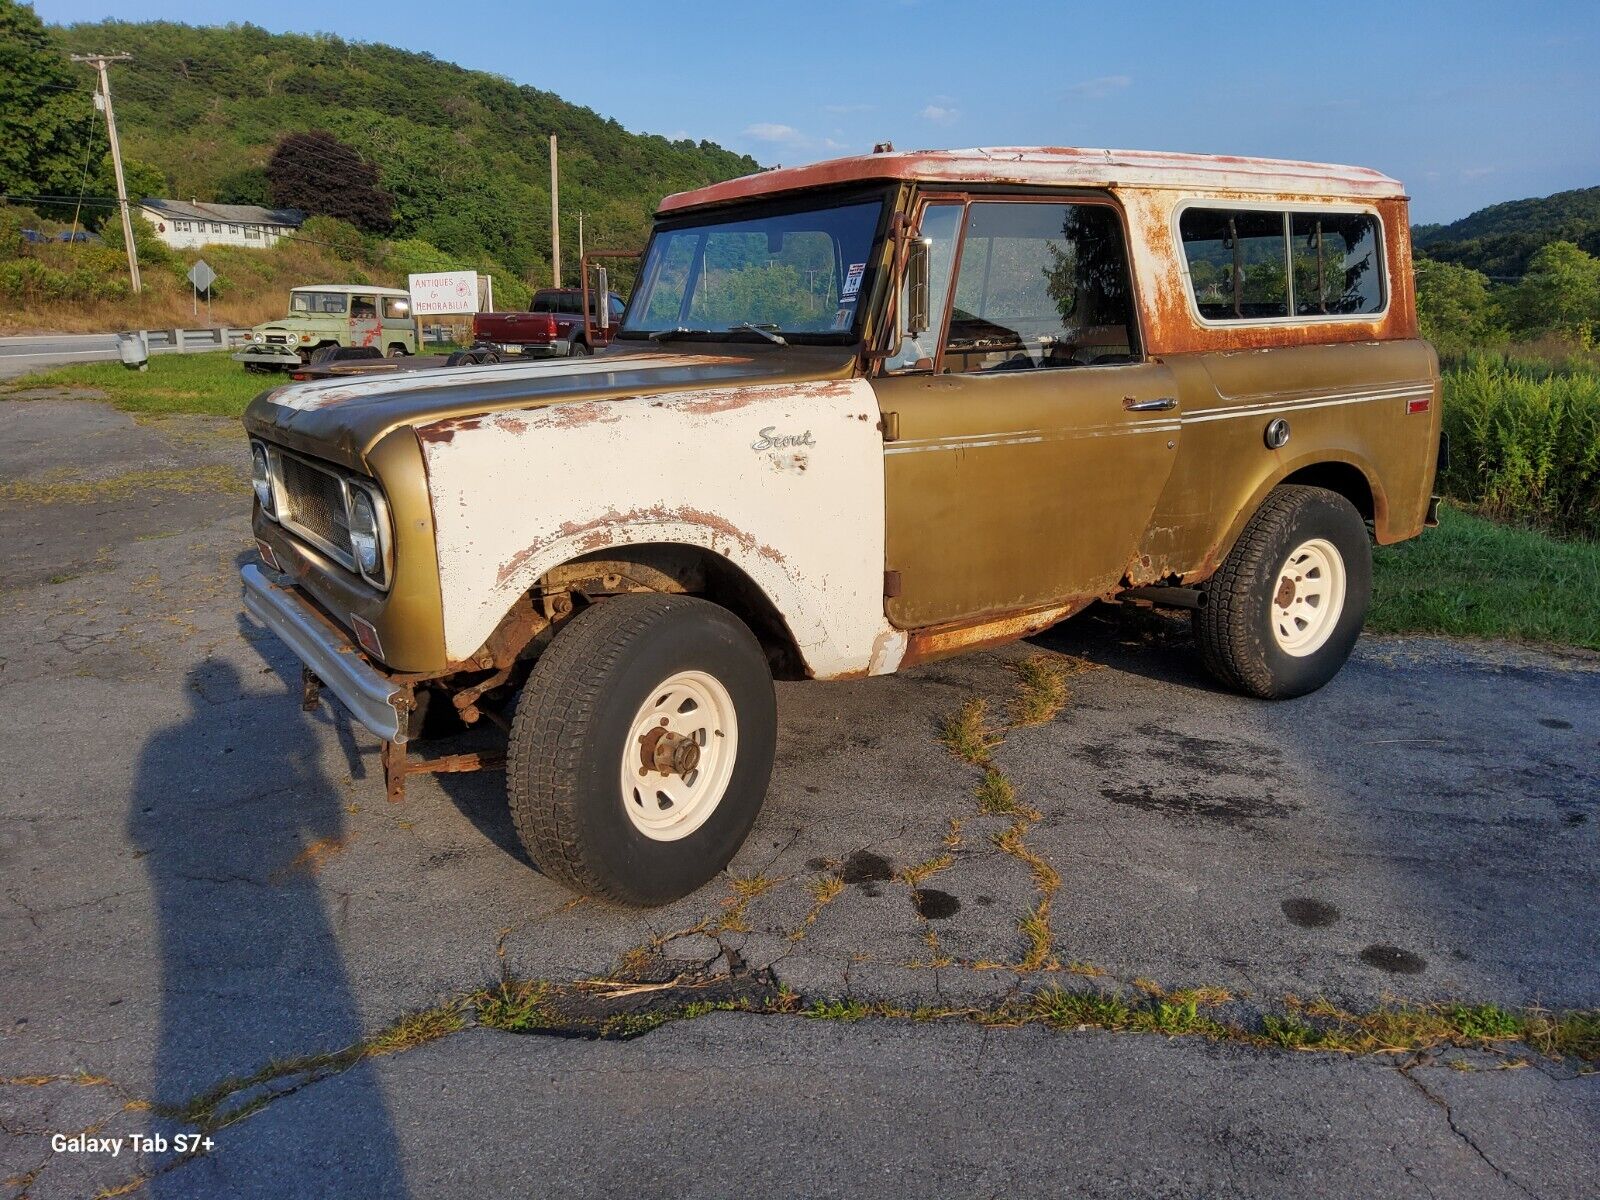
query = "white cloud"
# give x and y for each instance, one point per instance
(939, 114)
(768, 131)
(1099, 88)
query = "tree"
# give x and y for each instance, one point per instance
(320, 175)
(1453, 305)
(1560, 294)
(44, 110)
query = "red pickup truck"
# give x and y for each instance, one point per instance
(553, 326)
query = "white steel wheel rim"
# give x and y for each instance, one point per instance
(1308, 597)
(664, 801)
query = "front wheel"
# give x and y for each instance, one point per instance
(641, 748)
(1285, 609)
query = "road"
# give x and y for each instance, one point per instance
(19, 355)
(201, 882)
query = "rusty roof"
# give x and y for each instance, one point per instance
(1062, 166)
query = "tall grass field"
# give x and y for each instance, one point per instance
(1525, 446)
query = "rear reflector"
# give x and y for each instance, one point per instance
(1419, 405)
(367, 636)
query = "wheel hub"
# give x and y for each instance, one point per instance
(1309, 597)
(670, 753)
(679, 755)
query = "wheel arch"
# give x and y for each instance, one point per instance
(688, 568)
(1338, 471)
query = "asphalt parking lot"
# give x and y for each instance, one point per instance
(201, 880)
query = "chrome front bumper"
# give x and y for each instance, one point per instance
(371, 696)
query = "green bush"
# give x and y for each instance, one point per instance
(1524, 448)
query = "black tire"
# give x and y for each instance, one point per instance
(567, 739)
(395, 350)
(1234, 628)
(460, 358)
(578, 350)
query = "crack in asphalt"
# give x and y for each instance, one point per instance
(1443, 1105)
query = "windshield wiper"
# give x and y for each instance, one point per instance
(666, 335)
(765, 330)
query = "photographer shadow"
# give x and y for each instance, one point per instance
(234, 817)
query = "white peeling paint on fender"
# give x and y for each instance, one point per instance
(784, 480)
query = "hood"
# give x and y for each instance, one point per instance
(342, 419)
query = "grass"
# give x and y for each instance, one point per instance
(186, 480)
(1042, 690)
(1472, 577)
(966, 734)
(210, 384)
(1524, 446)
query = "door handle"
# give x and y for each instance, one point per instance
(1160, 404)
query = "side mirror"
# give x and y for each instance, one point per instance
(602, 282)
(916, 318)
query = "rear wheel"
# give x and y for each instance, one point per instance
(641, 748)
(396, 350)
(1285, 609)
(578, 350)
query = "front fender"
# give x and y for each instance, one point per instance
(784, 480)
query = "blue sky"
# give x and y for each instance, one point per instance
(1467, 103)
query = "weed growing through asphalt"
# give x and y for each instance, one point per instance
(967, 735)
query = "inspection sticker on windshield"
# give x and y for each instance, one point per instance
(852, 281)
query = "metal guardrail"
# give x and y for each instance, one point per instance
(197, 340)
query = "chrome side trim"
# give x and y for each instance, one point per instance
(372, 697)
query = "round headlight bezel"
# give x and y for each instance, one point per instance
(366, 534)
(261, 476)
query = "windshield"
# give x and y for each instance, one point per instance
(318, 302)
(804, 273)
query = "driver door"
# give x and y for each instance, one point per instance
(1031, 435)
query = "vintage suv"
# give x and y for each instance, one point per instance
(323, 315)
(857, 416)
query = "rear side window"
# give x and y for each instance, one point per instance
(1337, 263)
(1263, 264)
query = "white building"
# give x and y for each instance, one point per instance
(183, 224)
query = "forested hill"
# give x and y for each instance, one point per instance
(463, 153)
(1499, 240)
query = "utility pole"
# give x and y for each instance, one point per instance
(580, 236)
(555, 215)
(99, 63)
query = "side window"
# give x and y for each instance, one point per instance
(941, 223)
(1238, 267)
(617, 308)
(1040, 286)
(396, 308)
(671, 268)
(1338, 263)
(363, 308)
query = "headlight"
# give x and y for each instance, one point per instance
(365, 542)
(258, 337)
(261, 475)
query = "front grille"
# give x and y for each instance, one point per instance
(313, 504)
(277, 339)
